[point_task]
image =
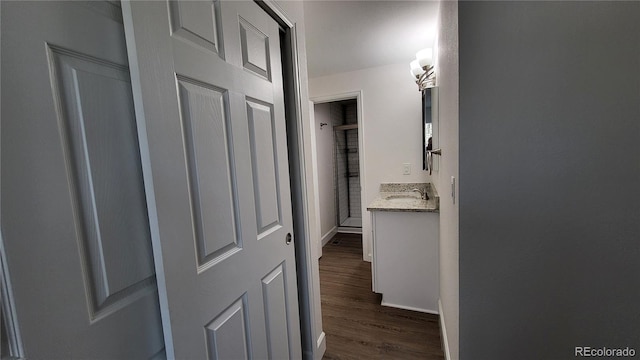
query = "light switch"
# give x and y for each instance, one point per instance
(406, 169)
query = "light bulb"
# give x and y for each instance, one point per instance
(424, 57)
(416, 69)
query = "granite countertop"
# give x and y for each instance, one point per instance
(399, 197)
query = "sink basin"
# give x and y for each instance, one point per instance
(403, 201)
(403, 198)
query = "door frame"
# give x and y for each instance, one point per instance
(304, 252)
(351, 95)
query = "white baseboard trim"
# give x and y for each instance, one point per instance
(321, 347)
(350, 230)
(384, 303)
(330, 234)
(443, 333)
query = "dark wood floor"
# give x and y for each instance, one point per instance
(355, 324)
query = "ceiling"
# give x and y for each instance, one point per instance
(345, 36)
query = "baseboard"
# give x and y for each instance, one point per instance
(443, 333)
(349, 230)
(383, 303)
(329, 235)
(321, 347)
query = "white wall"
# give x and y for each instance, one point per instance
(391, 128)
(447, 69)
(324, 153)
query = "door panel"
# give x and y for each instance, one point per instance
(274, 292)
(206, 127)
(217, 149)
(74, 215)
(255, 49)
(95, 114)
(227, 334)
(197, 22)
(263, 162)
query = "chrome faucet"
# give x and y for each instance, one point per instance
(422, 193)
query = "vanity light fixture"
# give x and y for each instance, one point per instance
(422, 69)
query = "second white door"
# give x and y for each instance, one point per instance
(211, 108)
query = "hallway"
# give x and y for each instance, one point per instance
(356, 325)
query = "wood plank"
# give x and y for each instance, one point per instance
(356, 325)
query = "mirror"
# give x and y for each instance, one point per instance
(429, 124)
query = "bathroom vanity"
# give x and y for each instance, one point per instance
(405, 246)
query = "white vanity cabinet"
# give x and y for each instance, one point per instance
(405, 259)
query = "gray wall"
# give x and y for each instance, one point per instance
(549, 178)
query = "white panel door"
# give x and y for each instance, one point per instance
(73, 209)
(211, 95)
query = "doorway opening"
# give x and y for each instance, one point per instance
(339, 164)
(346, 168)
